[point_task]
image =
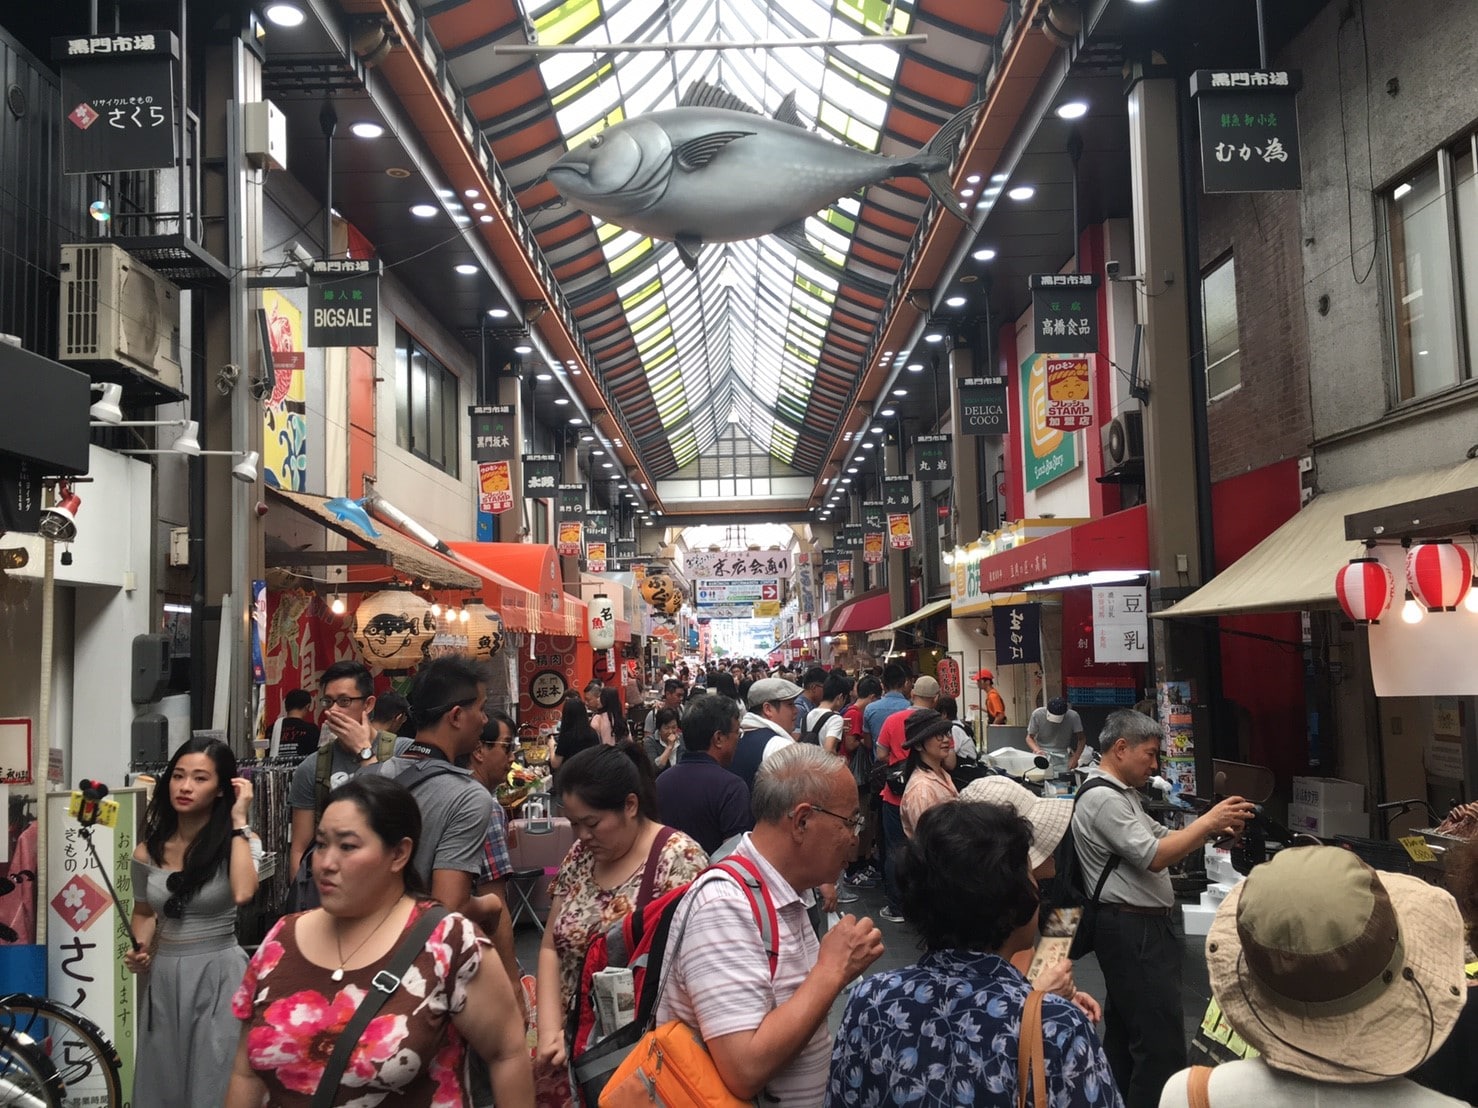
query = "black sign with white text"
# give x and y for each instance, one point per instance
(932, 457)
(874, 517)
(1249, 129)
(1018, 631)
(983, 406)
(898, 492)
(571, 502)
(344, 303)
(1064, 313)
(540, 475)
(492, 432)
(118, 92)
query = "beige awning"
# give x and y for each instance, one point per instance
(931, 609)
(1294, 567)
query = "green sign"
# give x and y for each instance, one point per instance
(571, 502)
(1047, 453)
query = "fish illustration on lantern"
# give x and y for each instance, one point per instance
(714, 170)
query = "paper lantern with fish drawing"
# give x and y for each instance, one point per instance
(484, 630)
(393, 628)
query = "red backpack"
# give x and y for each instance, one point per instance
(639, 941)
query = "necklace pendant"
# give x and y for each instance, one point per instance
(337, 975)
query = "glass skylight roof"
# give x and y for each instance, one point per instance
(742, 337)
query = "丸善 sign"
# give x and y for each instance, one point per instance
(1018, 630)
(932, 457)
(1249, 129)
(540, 475)
(344, 302)
(1064, 313)
(983, 406)
(492, 432)
(119, 95)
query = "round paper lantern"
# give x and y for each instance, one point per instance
(601, 615)
(484, 630)
(659, 590)
(1439, 574)
(393, 629)
(673, 604)
(1365, 589)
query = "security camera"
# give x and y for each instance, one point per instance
(301, 255)
(1112, 269)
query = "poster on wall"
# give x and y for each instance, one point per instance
(15, 751)
(285, 409)
(1178, 763)
(900, 531)
(1047, 453)
(1121, 624)
(494, 487)
(1069, 393)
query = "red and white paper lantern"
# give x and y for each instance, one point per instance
(601, 614)
(1365, 589)
(1439, 574)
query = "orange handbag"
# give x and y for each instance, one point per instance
(669, 1066)
(1031, 1057)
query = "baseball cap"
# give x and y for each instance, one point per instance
(925, 687)
(1057, 709)
(983, 675)
(770, 689)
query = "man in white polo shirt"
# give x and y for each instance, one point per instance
(766, 1036)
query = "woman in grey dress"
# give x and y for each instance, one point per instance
(190, 872)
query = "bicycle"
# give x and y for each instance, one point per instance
(80, 1054)
(27, 1077)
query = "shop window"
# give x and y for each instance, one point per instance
(1431, 222)
(1219, 328)
(426, 405)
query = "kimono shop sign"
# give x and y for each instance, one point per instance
(492, 432)
(1064, 313)
(119, 95)
(1018, 631)
(983, 406)
(1069, 393)
(932, 457)
(1249, 129)
(738, 563)
(343, 302)
(540, 475)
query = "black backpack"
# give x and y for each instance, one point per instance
(812, 735)
(1069, 887)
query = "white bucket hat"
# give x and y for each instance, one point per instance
(1049, 818)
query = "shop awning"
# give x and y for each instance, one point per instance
(863, 613)
(1294, 567)
(401, 553)
(534, 569)
(933, 608)
(1112, 543)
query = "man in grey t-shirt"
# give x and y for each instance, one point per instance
(1056, 729)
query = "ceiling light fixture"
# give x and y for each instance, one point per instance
(285, 15)
(888, 413)
(498, 313)
(916, 367)
(973, 179)
(523, 348)
(1073, 109)
(484, 219)
(934, 336)
(1022, 192)
(955, 301)
(900, 392)
(471, 194)
(867, 446)
(543, 377)
(466, 269)
(984, 254)
(366, 130)
(997, 177)
(423, 211)
(561, 400)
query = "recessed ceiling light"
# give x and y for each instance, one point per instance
(466, 269)
(888, 413)
(498, 313)
(608, 465)
(876, 430)
(984, 254)
(445, 194)
(846, 480)
(479, 207)
(366, 130)
(997, 177)
(954, 302)
(543, 377)
(900, 392)
(851, 469)
(471, 194)
(597, 451)
(462, 220)
(423, 211)
(285, 15)
(523, 348)
(484, 219)
(587, 438)
(575, 421)
(1022, 192)
(867, 446)
(934, 336)
(973, 179)
(967, 192)
(398, 172)
(916, 367)
(561, 400)
(1073, 109)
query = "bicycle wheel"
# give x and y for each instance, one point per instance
(27, 1077)
(87, 1062)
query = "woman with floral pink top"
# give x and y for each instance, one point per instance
(309, 975)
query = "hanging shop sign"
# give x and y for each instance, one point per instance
(1064, 313)
(598, 526)
(947, 671)
(285, 444)
(547, 688)
(1069, 393)
(492, 432)
(900, 530)
(766, 609)
(595, 557)
(874, 514)
(831, 577)
(1018, 630)
(1121, 624)
(844, 573)
(852, 536)
(738, 563)
(932, 457)
(540, 475)
(119, 95)
(1047, 452)
(872, 548)
(571, 537)
(20, 496)
(1249, 129)
(570, 503)
(494, 487)
(343, 302)
(738, 590)
(983, 406)
(897, 492)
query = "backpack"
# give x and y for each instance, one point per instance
(812, 734)
(1069, 888)
(384, 751)
(639, 941)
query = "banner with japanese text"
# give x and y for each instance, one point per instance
(873, 517)
(571, 538)
(844, 573)
(897, 492)
(494, 487)
(492, 432)
(1065, 313)
(900, 530)
(597, 526)
(1248, 129)
(932, 457)
(1048, 453)
(737, 563)
(118, 93)
(1121, 623)
(570, 503)
(1069, 393)
(1018, 634)
(540, 475)
(872, 547)
(595, 557)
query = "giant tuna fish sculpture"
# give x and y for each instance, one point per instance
(714, 170)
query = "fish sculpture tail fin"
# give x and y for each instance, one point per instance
(939, 152)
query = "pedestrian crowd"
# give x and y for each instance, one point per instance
(392, 977)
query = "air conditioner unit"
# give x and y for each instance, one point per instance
(1123, 440)
(116, 309)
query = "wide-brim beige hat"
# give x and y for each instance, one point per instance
(1334, 971)
(1049, 818)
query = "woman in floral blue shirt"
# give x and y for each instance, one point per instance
(943, 1032)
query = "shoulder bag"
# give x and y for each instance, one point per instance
(1198, 1087)
(386, 982)
(1031, 1054)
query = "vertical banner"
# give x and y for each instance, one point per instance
(492, 432)
(595, 557)
(1065, 313)
(285, 410)
(1047, 453)
(15, 751)
(872, 548)
(1120, 624)
(258, 632)
(494, 487)
(1069, 393)
(571, 502)
(344, 302)
(900, 530)
(844, 573)
(597, 526)
(1018, 632)
(874, 526)
(832, 577)
(86, 939)
(571, 538)
(932, 457)
(1178, 761)
(540, 475)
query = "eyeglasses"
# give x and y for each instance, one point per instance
(855, 824)
(342, 701)
(507, 744)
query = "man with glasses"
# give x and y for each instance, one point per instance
(489, 764)
(769, 1035)
(350, 742)
(699, 796)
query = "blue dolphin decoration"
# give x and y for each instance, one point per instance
(352, 511)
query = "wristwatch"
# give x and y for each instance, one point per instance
(367, 753)
(242, 832)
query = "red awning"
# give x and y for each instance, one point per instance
(1113, 542)
(536, 600)
(863, 613)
